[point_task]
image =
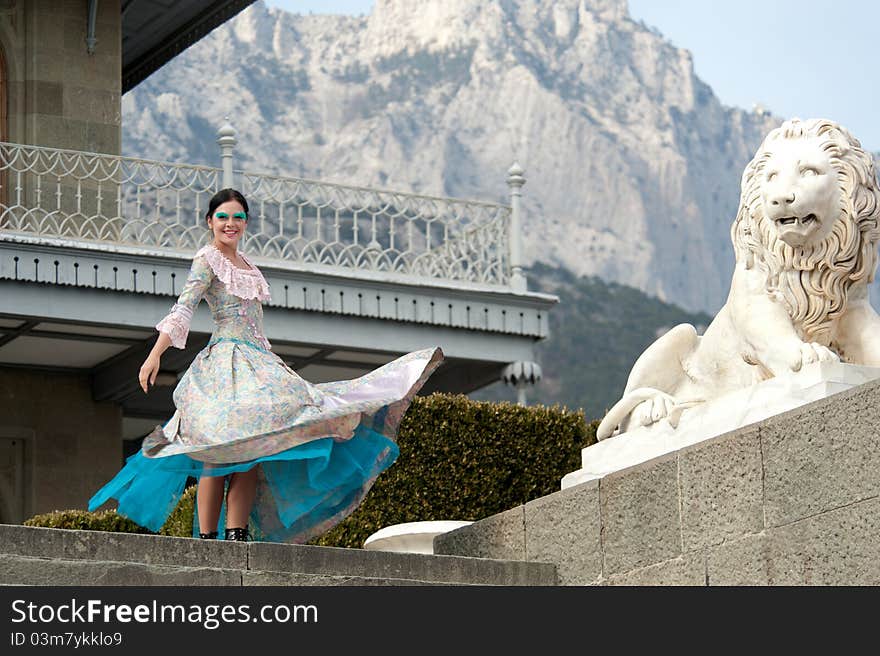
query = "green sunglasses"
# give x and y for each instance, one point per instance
(241, 216)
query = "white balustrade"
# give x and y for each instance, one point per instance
(111, 200)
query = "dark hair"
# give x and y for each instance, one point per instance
(224, 196)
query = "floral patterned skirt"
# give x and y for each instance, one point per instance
(319, 447)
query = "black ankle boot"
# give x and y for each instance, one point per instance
(238, 534)
(208, 536)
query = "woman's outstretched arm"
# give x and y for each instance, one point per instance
(174, 328)
(150, 368)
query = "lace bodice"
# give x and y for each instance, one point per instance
(234, 295)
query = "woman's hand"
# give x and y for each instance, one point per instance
(149, 371)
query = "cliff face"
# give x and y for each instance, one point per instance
(632, 164)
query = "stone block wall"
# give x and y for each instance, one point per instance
(59, 95)
(72, 444)
(793, 500)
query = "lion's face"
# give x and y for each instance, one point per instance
(809, 218)
(800, 192)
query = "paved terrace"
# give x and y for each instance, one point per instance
(45, 556)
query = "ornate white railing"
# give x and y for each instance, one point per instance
(114, 200)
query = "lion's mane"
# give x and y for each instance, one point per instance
(813, 282)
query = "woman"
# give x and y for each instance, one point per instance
(295, 458)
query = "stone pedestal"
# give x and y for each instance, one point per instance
(411, 537)
(719, 416)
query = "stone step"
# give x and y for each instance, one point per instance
(45, 556)
(24, 570)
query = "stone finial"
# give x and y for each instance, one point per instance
(515, 177)
(226, 132)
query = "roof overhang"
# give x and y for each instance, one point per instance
(156, 31)
(85, 309)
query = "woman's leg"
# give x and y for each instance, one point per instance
(240, 498)
(210, 498)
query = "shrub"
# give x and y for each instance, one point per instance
(83, 520)
(465, 460)
(179, 522)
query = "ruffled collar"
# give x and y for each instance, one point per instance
(244, 283)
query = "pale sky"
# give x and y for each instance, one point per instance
(805, 58)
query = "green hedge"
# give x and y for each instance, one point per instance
(179, 522)
(465, 460)
(83, 520)
(459, 459)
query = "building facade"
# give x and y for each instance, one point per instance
(95, 247)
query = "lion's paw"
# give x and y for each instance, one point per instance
(653, 409)
(811, 352)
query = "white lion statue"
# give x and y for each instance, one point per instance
(805, 239)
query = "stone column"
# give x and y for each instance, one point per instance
(516, 180)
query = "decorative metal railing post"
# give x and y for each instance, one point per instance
(226, 140)
(516, 180)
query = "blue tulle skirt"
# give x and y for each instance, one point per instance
(301, 492)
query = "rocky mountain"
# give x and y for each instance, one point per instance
(632, 163)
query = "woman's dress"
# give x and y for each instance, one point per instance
(320, 447)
